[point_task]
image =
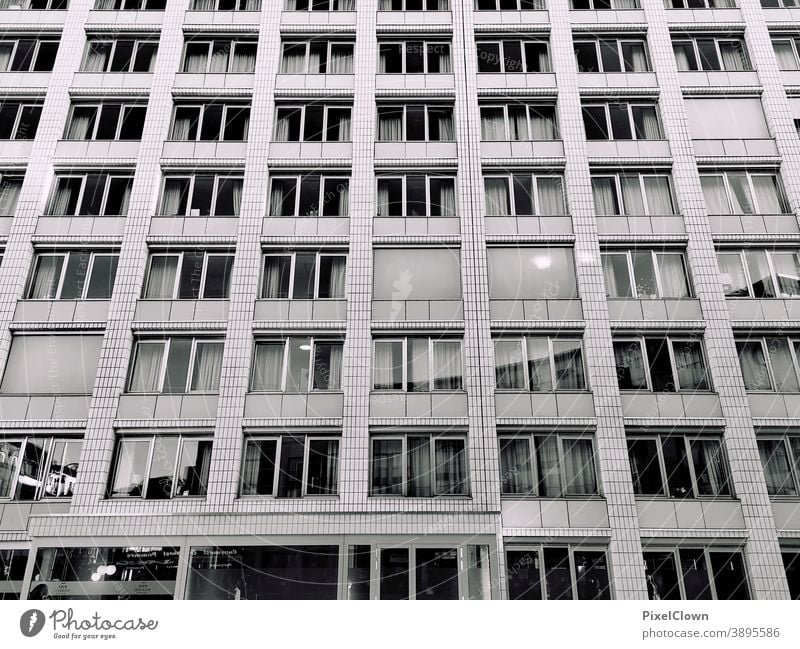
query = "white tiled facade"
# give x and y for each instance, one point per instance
(763, 528)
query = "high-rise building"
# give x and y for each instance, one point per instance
(425, 299)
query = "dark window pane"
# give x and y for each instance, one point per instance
(212, 122)
(75, 275)
(676, 463)
(645, 468)
(313, 126)
(180, 350)
(132, 122)
(660, 365)
(557, 573)
(290, 478)
(218, 277)
(661, 576)
(437, 574)
(488, 57)
(123, 53)
(191, 275)
(695, 574)
(524, 578)
(258, 471)
(730, 580)
(394, 573)
(323, 467)
(104, 272)
(162, 468)
(591, 575)
(304, 267)
(594, 120)
(202, 195)
(309, 196)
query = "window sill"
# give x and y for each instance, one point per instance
(419, 498)
(269, 497)
(530, 498)
(706, 499)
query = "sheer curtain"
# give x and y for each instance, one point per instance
(493, 124)
(9, 193)
(48, 274)
(627, 4)
(767, 196)
(615, 275)
(645, 119)
(390, 126)
(344, 126)
(347, 5)
(780, 357)
(740, 194)
(282, 127)
(268, 367)
(293, 60)
(632, 195)
(207, 367)
(59, 205)
(579, 467)
(337, 284)
(784, 51)
(220, 55)
(341, 61)
(753, 364)
(447, 198)
(236, 195)
(775, 461)
(543, 124)
(605, 196)
(689, 365)
(635, 57)
(715, 196)
(444, 59)
(161, 277)
(450, 466)
(445, 123)
(126, 198)
(515, 466)
(673, 275)
(659, 197)
(203, 5)
(244, 60)
(343, 207)
(446, 365)
(568, 362)
(335, 367)
(682, 56)
(551, 196)
(146, 374)
(518, 123)
(171, 202)
(508, 365)
(733, 56)
(95, 60)
(184, 118)
(195, 60)
(275, 283)
(732, 275)
(383, 366)
(276, 198)
(547, 464)
(497, 199)
(419, 467)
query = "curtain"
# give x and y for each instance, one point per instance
(493, 124)
(645, 120)
(220, 54)
(551, 196)
(293, 61)
(276, 199)
(335, 367)
(9, 193)
(61, 199)
(785, 54)
(568, 364)
(450, 469)
(82, 123)
(710, 467)
(314, 60)
(341, 60)
(787, 273)
(383, 366)
(418, 365)
(445, 124)
(518, 123)
(347, 5)
(444, 59)
(390, 126)
(126, 198)
(282, 127)
(689, 365)
(182, 125)
(780, 357)
(104, 5)
(236, 194)
(161, 278)
(337, 283)
(682, 56)
(497, 198)
(767, 196)
(387, 466)
(733, 56)
(419, 467)
(244, 60)
(753, 364)
(740, 193)
(673, 275)
(207, 367)
(515, 466)
(447, 198)
(776, 467)
(715, 195)
(508, 365)
(543, 60)
(547, 464)
(48, 274)
(146, 373)
(731, 270)
(171, 202)
(579, 467)
(385, 5)
(543, 124)
(605, 196)
(276, 268)
(95, 60)
(344, 126)
(268, 367)
(382, 207)
(635, 57)
(195, 60)
(760, 273)
(203, 5)
(343, 208)
(627, 4)
(614, 265)
(632, 196)
(446, 365)
(539, 364)
(659, 197)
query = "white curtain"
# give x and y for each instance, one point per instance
(632, 196)
(547, 462)
(444, 59)
(445, 123)
(740, 193)
(447, 373)
(9, 193)
(275, 269)
(161, 278)
(126, 198)
(635, 57)
(543, 124)
(605, 196)
(450, 466)
(195, 60)
(579, 467)
(147, 367)
(337, 282)
(682, 55)
(343, 208)
(95, 60)
(203, 5)
(551, 196)
(733, 56)
(344, 126)
(515, 466)
(767, 197)
(390, 126)
(171, 201)
(616, 275)
(347, 5)
(383, 370)
(335, 367)
(419, 467)
(673, 275)
(236, 194)
(184, 118)
(493, 125)
(731, 270)
(659, 197)
(382, 201)
(341, 61)
(48, 274)
(220, 56)
(293, 60)
(509, 368)
(780, 357)
(244, 60)
(518, 123)
(715, 195)
(276, 198)
(775, 461)
(447, 198)
(497, 199)
(59, 205)
(645, 120)
(268, 367)
(784, 51)
(207, 367)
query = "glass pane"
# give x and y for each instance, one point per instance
(218, 277)
(591, 575)
(394, 566)
(418, 365)
(479, 582)
(437, 574)
(568, 364)
(101, 282)
(753, 364)
(539, 365)
(557, 573)
(730, 580)
(616, 275)
(193, 467)
(661, 576)
(775, 461)
(290, 478)
(297, 374)
(451, 467)
(180, 351)
(420, 474)
(644, 275)
(515, 466)
(304, 270)
(162, 468)
(323, 467)
(645, 467)
(695, 574)
(258, 469)
(523, 574)
(130, 468)
(660, 365)
(509, 365)
(629, 361)
(388, 365)
(31, 470)
(676, 463)
(387, 467)
(690, 365)
(358, 566)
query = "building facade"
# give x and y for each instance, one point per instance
(426, 299)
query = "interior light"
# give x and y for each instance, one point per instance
(542, 262)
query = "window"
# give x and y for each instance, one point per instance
(699, 4)
(290, 466)
(73, 275)
(780, 458)
(710, 53)
(226, 5)
(119, 55)
(36, 468)
(10, 187)
(12, 573)
(27, 54)
(298, 364)
(661, 364)
(413, 195)
(51, 364)
(418, 465)
(791, 562)
(19, 120)
(416, 274)
(414, 57)
(787, 52)
(518, 122)
(90, 194)
(419, 364)
(312, 123)
(645, 274)
(509, 56)
(161, 467)
(635, 194)
(547, 466)
(531, 273)
(770, 4)
(510, 5)
(758, 273)
(309, 195)
(106, 121)
(304, 276)
(416, 123)
(188, 275)
(557, 573)
(35, 5)
(219, 56)
(317, 57)
(726, 118)
(678, 466)
(211, 122)
(769, 364)
(524, 194)
(695, 573)
(621, 121)
(612, 55)
(201, 195)
(130, 5)
(539, 364)
(175, 365)
(320, 5)
(743, 192)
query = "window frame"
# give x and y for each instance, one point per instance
(83, 177)
(426, 108)
(654, 255)
(641, 340)
(523, 341)
(292, 254)
(529, 106)
(219, 176)
(180, 254)
(233, 46)
(629, 108)
(113, 42)
(298, 179)
(166, 342)
(792, 459)
(403, 340)
(202, 106)
(38, 41)
(403, 44)
(509, 176)
(48, 449)
(619, 196)
(774, 276)
(403, 178)
(749, 175)
(523, 54)
(425, 7)
(619, 41)
(64, 254)
(329, 44)
(96, 125)
(792, 342)
(313, 340)
(22, 105)
(717, 39)
(302, 128)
